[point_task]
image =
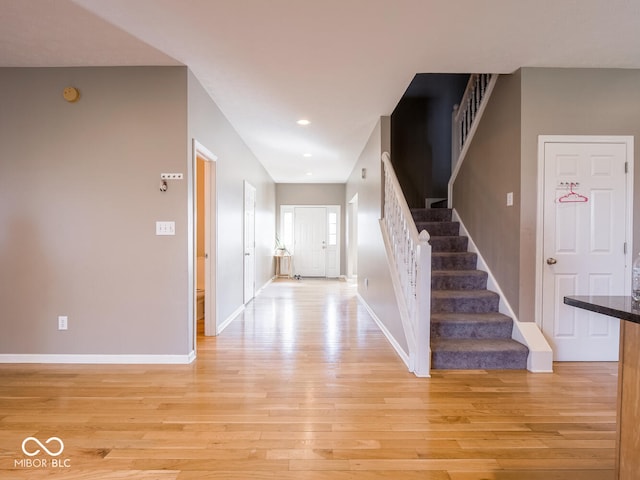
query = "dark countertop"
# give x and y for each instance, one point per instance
(624, 308)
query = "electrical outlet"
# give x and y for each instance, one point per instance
(62, 322)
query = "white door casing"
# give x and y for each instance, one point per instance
(200, 152)
(249, 242)
(583, 246)
(352, 237)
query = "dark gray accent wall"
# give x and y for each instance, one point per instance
(421, 135)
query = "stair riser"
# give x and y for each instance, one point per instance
(474, 330)
(449, 244)
(476, 360)
(464, 305)
(438, 229)
(466, 282)
(468, 261)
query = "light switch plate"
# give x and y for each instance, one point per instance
(62, 322)
(510, 199)
(165, 228)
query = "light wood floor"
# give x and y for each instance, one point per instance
(305, 386)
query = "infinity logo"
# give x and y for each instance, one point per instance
(36, 452)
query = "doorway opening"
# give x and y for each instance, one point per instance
(352, 238)
(249, 242)
(203, 245)
(312, 234)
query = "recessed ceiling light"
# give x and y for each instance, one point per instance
(303, 122)
(309, 174)
(307, 155)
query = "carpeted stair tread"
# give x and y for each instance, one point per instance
(431, 214)
(464, 301)
(453, 260)
(439, 229)
(471, 325)
(458, 279)
(449, 243)
(467, 331)
(501, 353)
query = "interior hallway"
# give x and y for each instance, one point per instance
(303, 385)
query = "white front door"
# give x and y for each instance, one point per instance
(249, 242)
(585, 230)
(310, 241)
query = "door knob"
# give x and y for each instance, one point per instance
(551, 261)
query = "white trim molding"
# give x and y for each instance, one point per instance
(99, 359)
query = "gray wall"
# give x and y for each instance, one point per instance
(372, 260)
(79, 199)
(571, 102)
(536, 101)
(235, 164)
(314, 194)
(490, 170)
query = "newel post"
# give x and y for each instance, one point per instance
(423, 310)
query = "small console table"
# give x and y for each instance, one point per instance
(628, 411)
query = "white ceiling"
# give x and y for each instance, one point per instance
(340, 63)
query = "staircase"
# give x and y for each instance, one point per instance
(467, 331)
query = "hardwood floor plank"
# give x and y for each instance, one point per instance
(303, 385)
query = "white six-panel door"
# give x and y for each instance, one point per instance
(310, 234)
(583, 244)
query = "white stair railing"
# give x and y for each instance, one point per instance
(410, 259)
(466, 117)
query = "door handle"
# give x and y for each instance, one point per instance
(247, 254)
(551, 261)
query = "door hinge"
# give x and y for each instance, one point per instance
(626, 167)
(625, 248)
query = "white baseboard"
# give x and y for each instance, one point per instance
(229, 319)
(99, 359)
(540, 359)
(396, 346)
